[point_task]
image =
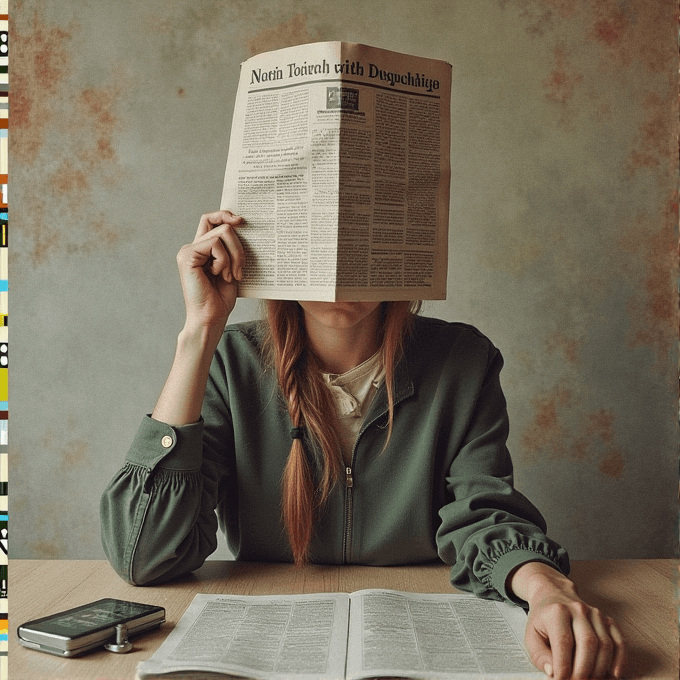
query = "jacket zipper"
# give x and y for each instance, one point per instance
(349, 488)
(347, 536)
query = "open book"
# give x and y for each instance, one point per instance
(339, 162)
(368, 634)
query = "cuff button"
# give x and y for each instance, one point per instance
(166, 442)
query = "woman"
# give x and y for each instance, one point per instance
(340, 432)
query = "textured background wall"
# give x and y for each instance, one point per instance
(562, 245)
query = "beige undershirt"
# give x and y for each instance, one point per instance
(353, 393)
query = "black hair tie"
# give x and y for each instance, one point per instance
(297, 432)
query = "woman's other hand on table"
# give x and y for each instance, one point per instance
(565, 637)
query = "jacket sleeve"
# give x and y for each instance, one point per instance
(488, 528)
(157, 513)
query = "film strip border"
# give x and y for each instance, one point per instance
(4, 338)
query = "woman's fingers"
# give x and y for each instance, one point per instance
(211, 220)
(574, 640)
(600, 647)
(603, 643)
(209, 255)
(619, 660)
(219, 262)
(581, 642)
(561, 637)
(217, 230)
(538, 649)
(588, 653)
(209, 267)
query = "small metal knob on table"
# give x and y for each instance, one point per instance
(122, 644)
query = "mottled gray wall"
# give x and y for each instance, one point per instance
(562, 234)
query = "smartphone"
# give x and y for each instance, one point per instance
(78, 630)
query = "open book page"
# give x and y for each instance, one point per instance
(263, 637)
(339, 162)
(415, 635)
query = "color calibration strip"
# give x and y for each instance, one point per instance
(4, 338)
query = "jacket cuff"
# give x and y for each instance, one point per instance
(509, 561)
(160, 445)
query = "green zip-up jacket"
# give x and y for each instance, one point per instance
(441, 490)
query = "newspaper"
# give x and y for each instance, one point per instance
(339, 161)
(366, 634)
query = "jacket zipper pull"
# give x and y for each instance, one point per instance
(349, 481)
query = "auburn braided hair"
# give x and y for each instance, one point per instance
(310, 406)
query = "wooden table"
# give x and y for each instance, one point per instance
(639, 594)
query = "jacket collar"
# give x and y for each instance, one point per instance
(403, 387)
